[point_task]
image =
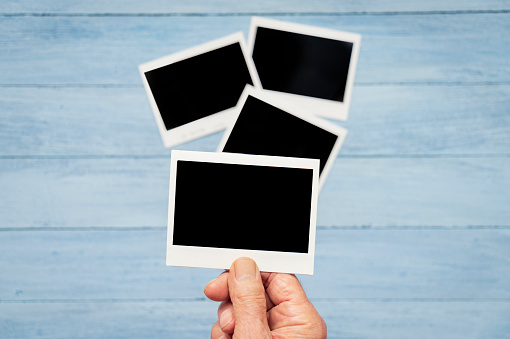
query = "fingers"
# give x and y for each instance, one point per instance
(248, 298)
(283, 287)
(226, 317)
(217, 289)
(293, 310)
(217, 333)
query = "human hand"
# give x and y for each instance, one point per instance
(262, 305)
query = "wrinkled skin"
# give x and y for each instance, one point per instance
(262, 305)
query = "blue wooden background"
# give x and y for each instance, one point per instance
(413, 236)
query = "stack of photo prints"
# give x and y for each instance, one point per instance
(257, 195)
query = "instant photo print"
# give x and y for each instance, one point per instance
(266, 126)
(314, 67)
(223, 206)
(192, 92)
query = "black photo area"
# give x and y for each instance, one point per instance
(302, 64)
(242, 207)
(263, 129)
(197, 87)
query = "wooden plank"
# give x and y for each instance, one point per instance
(108, 320)
(411, 264)
(107, 50)
(128, 192)
(416, 320)
(245, 6)
(82, 121)
(351, 265)
(384, 120)
(194, 319)
(417, 191)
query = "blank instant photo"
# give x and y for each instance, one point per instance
(314, 67)
(192, 92)
(224, 206)
(265, 126)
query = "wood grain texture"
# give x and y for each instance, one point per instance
(245, 6)
(417, 320)
(385, 120)
(362, 265)
(150, 319)
(118, 192)
(455, 320)
(394, 49)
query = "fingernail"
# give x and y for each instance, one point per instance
(226, 318)
(246, 269)
(224, 336)
(210, 282)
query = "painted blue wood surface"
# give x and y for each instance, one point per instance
(413, 238)
(189, 319)
(181, 319)
(352, 264)
(202, 7)
(368, 283)
(393, 120)
(120, 192)
(395, 48)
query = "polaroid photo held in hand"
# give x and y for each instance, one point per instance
(225, 205)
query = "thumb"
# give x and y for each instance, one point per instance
(248, 297)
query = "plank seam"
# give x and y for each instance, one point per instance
(419, 227)
(235, 14)
(361, 84)
(431, 155)
(73, 85)
(413, 300)
(178, 300)
(167, 156)
(339, 228)
(432, 83)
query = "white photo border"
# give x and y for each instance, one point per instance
(222, 258)
(325, 108)
(298, 112)
(206, 125)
